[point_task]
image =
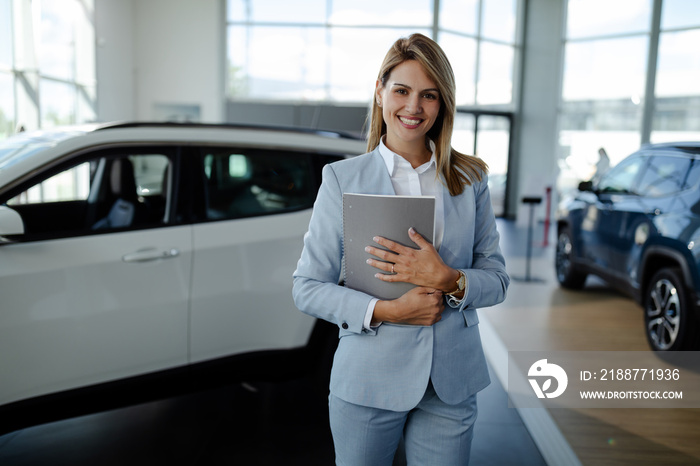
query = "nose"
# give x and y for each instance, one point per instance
(413, 105)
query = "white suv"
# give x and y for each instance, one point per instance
(129, 249)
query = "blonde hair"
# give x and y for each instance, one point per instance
(457, 169)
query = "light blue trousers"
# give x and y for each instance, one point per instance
(435, 433)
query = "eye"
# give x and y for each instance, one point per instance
(401, 91)
(430, 96)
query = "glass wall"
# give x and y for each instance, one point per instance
(331, 50)
(47, 63)
(611, 63)
(480, 39)
(487, 134)
(604, 78)
(315, 50)
(677, 90)
(7, 99)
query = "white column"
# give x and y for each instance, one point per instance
(534, 166)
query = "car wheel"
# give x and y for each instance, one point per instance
(567, 273)
(669, 317)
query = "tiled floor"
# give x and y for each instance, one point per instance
(261, 424)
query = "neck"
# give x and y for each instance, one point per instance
(415, 154)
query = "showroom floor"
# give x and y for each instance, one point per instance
(538, 315)
(285, 423)
(266, 424)
(260, 424)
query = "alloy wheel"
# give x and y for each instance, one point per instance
(563, 256)
(663, 314)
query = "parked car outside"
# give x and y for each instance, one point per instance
(132, 249)
(638, 228)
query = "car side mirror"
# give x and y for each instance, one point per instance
(10, 223)
(585, 186)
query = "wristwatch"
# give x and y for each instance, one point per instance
(461, 284)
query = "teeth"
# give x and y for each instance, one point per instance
(410, 121)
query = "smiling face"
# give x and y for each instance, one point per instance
(410, 103)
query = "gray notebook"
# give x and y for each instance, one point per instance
(368, 215)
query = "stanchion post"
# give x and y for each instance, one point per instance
(533, 201)
(547, 214)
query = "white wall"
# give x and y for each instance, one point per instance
(153, 54)
(114, 34)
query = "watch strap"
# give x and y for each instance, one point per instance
(461, 284)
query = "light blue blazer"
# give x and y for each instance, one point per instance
(389, 367)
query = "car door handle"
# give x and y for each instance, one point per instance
(150, 254)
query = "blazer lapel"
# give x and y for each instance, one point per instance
(376, 178)
(449, 212)
(455, 231)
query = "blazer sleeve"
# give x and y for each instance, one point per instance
(487, 280)
(316, 290)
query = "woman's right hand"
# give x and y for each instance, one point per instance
(418, 306)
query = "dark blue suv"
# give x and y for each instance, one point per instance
(638, 227)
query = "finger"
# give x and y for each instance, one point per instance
(382, 265)
(386, 277)
(389, 244)
(418, 238)
(380, 253)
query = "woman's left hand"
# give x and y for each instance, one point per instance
(422, 266)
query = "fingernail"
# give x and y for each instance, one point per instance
(375, 239)
(366, 248)
(369, 261)
(411, 230)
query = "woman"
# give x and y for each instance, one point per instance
(412, 366)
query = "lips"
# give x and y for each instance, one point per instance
(412, 122)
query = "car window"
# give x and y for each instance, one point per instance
(244, 183)
(621, 178)
(666, 175)
(693, 174)
(149, 170)
(69, 185)
(108, 191)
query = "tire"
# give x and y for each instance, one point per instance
(670, 317)
(567, 273)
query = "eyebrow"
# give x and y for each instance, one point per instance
(409, 87)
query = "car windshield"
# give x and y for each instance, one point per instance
(23, 145)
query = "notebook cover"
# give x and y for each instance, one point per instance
(368, 215)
